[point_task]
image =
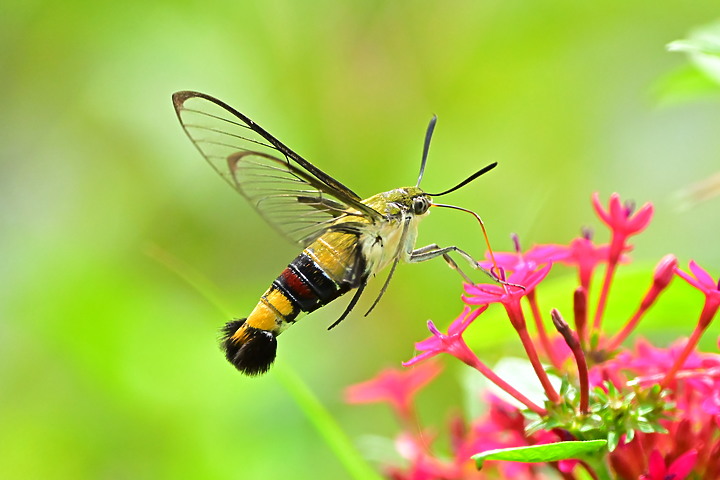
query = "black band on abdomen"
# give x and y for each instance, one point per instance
(305, 284)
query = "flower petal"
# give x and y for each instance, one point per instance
(599, 209)
(656, 466)
(641, 219)
(703, 277)
(683, 465)
(414, 360)
(433, 329)
(617, 210)
(689, 279)
(465, 319)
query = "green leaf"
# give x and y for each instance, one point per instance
(644, 410)
(612, 438)
(612, 389)
(646, 428)
(600, 394)
(551, 452)
(707, 43)
(700, 77)
(695, 45)
(534, 426)
(703, 49)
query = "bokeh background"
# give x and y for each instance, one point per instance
(109, 366)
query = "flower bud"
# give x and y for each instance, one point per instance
(665, 270)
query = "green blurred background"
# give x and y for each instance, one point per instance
(109, 366)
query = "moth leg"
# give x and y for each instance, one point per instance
(350, 306)
(358, 279)
(434, 250)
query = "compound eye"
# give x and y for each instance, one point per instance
(420, 205)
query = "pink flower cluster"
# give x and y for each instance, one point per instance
(659, 408)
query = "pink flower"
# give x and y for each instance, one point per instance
(620, 218)
(423, 466)
(517, 260)
(623, 223)
(452, 343)
(485, 293)
(659, 408)
(502, 426)
(664, 271)
(711, 289)
(581, 252)
(703, 282)
(648, 360)
(510, 296)
(397, 387)
(711, 402)
(678, 470)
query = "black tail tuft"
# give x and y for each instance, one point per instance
(250, 349)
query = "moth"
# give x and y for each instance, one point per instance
(345, 239)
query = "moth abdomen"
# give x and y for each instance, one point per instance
(251, 350)
(250, 344)
(307, 283)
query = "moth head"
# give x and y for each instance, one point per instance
(421, 203)
(408, 199)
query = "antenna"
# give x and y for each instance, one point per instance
(467, 180)
(426, 147)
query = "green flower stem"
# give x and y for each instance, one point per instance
(308, 403)
(597, 466)
(199, 282)
(589, 470)
(325, 424)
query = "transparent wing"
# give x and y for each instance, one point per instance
(294, 196)
(288, 198)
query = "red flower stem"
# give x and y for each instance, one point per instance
(572, 341)
(602, 301)
(537, 366)
(706, 316)
(494, 378)
(580, 314)
(627, 330)
(542, 333)
(518, 322)
(713, 467)
(692, 343)
(661, 279)
(584, 385)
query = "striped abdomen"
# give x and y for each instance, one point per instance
(326, 269)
